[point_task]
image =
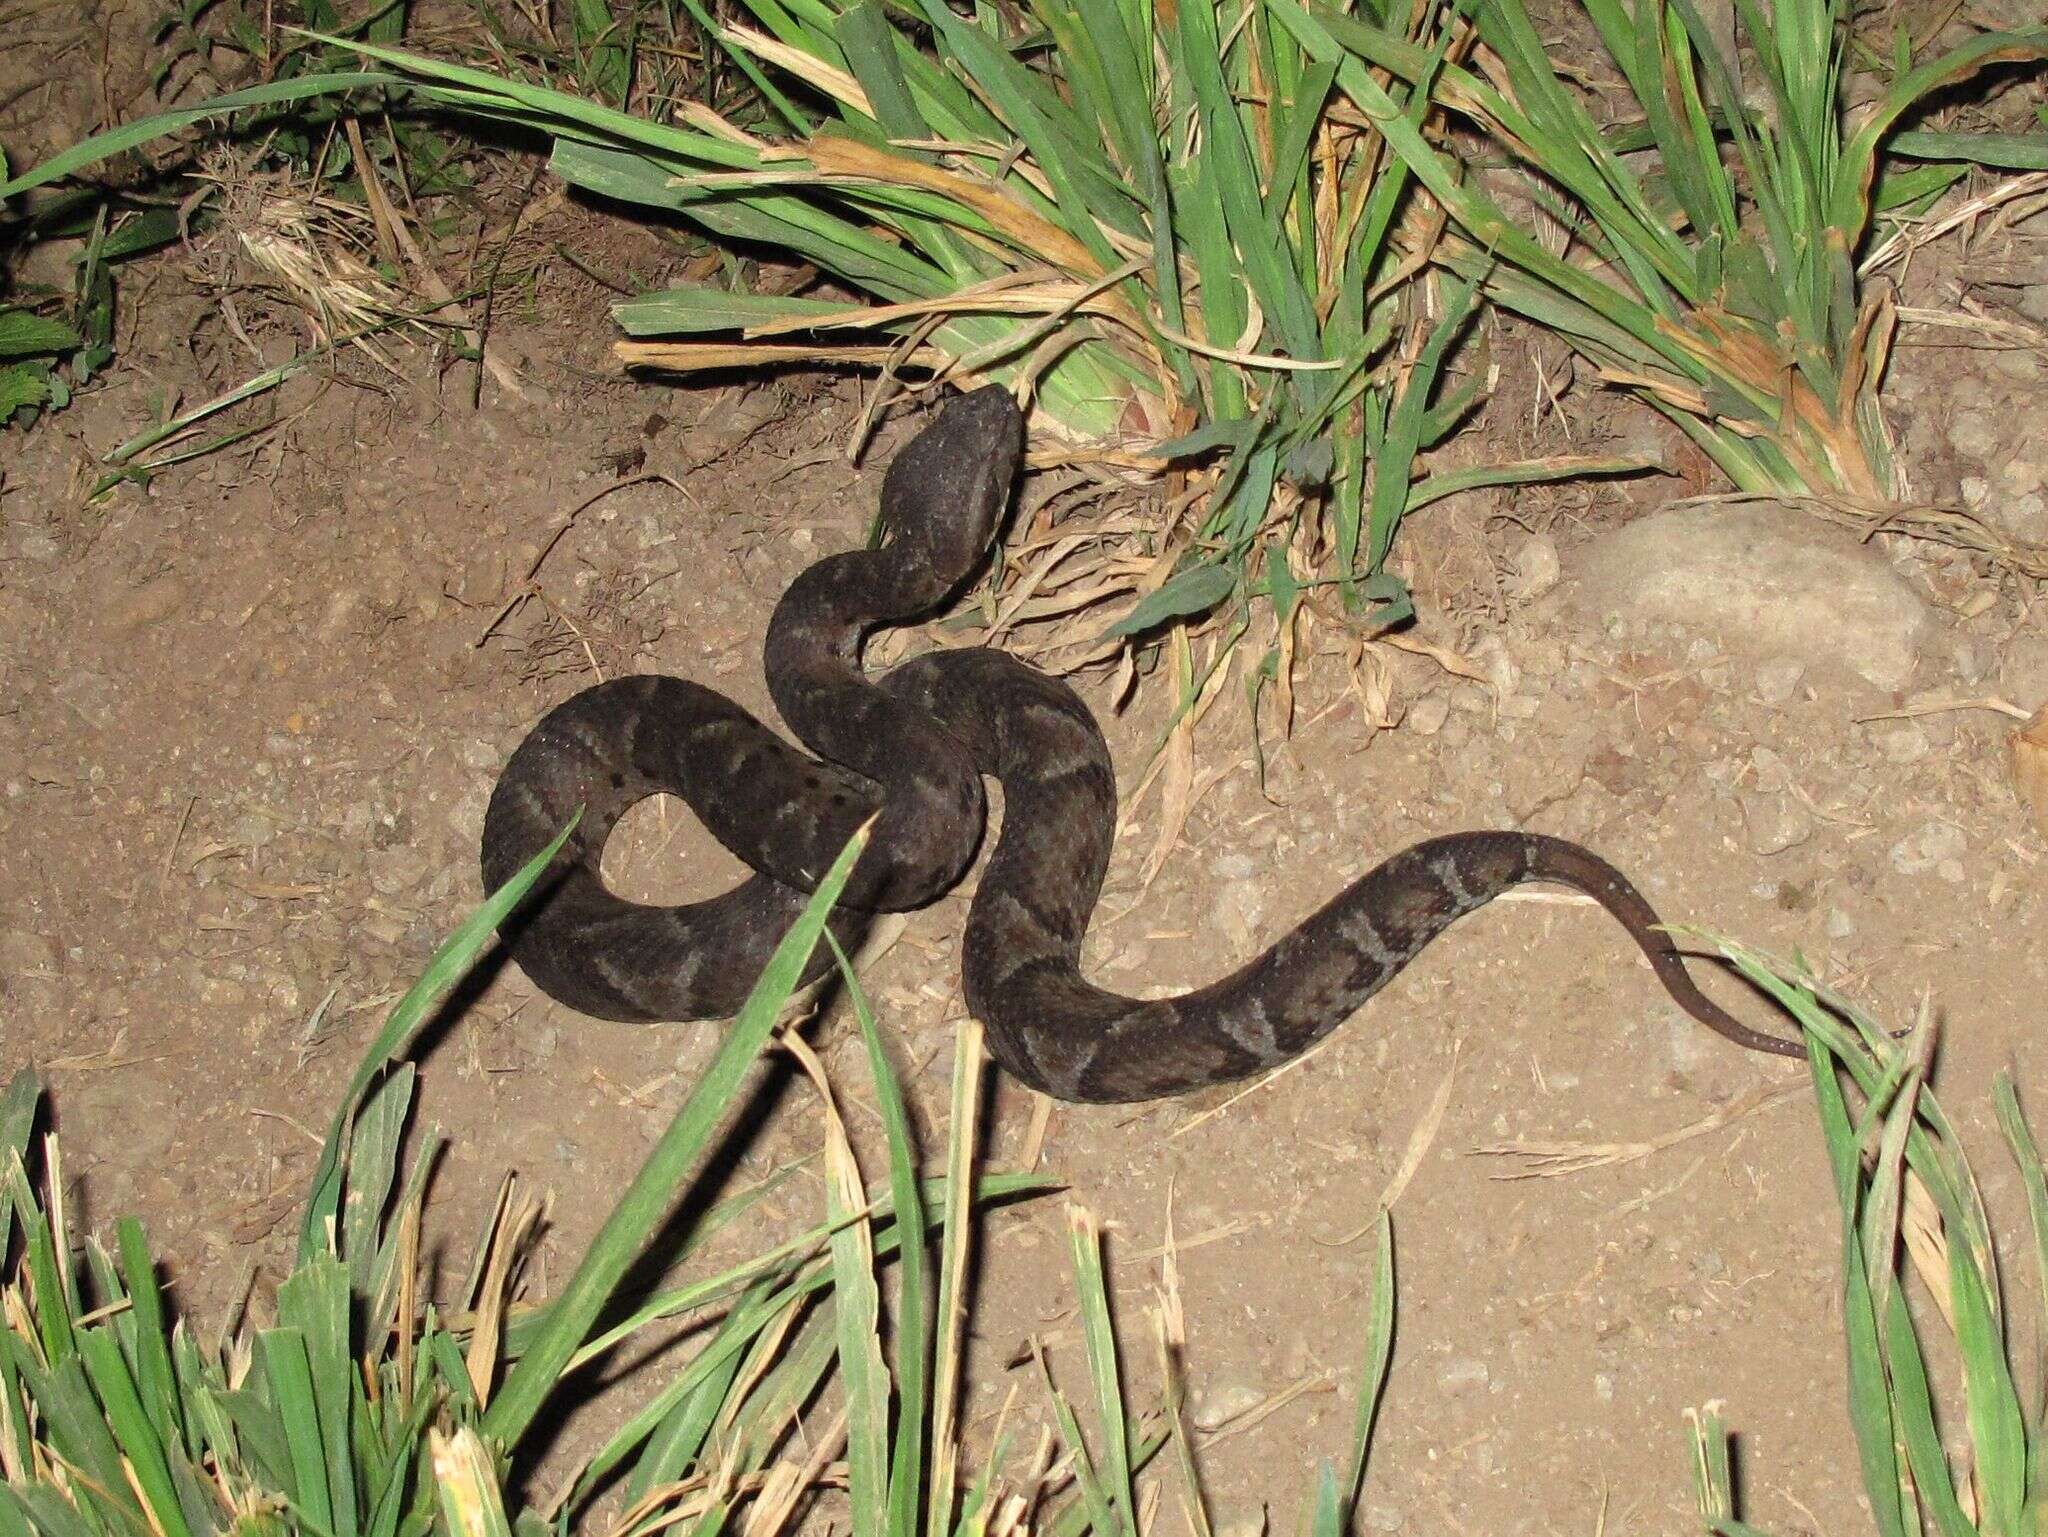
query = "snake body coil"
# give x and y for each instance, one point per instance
(913, 745)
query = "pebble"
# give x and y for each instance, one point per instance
(1232, 867)
(2023, 475)
(1536, 567)
(1383, 1518)
(1974, 435)
(2023, 671)
(1777, 677)
(1768, 771)
(1773, 823)
(342, 606)
(2026, 516)
(92, 696)
(1840, 924)
(139, 607)
(1761, 580)
(1428, 714)
(1936, 846)
(1222, 1402)
(253, 829)
(466, 813)
(1903, 742)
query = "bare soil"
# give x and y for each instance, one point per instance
(250, 716)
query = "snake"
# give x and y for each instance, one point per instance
(910, 750)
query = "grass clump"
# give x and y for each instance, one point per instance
(1158, 225)
(1191, 234)
(1703, 255)
(1971, 1461)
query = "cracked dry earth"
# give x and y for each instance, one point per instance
(250, 717)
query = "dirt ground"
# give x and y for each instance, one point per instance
(250, 716)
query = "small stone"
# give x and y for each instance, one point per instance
(1760, 580)
(466, 813)
(1249, 1524)
(2026, 516)
(139, 607)
(1603, 1387)
(2022, 476)
(1223, 1402)
(1767, 768)
(1383, 1518)
(1904, 742)
(1232, 867)
(1974, 435)
(2023, 671)
(1777, 677)
(382, 927)
(1536, 567)
(1951, 870)
(1925, 849)
(1773, 823)
(1840, 924)
(92, 696)
(342, 606)
(253, 829)
(1502, 675)
(1428, 714)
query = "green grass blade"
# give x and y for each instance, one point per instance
(856, 1317)
(1099, 1335)
(75, 1424)
(1999, 151)
(956, 1242)
(132, 1428)
(288, 1371)
(314, 1302)
(372, 1167)
(113, 141)
(56, 1304)
(1870, 1410)
(1379, 1350)
(470, 1500)
(17, 1126)
(914, 1322)
(1913, 1397)
(156, 1377)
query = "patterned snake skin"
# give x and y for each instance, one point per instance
(913, 745)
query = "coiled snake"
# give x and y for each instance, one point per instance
(913, 745)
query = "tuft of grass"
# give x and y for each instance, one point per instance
(1965, 1459)
(1703, 256)
(1159, 226)
(1192, 234)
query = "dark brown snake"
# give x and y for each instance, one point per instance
(913, 745)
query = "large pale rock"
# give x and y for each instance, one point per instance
(1760, 579)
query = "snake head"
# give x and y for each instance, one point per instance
(948, 488)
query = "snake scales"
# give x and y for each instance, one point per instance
(914, 744)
